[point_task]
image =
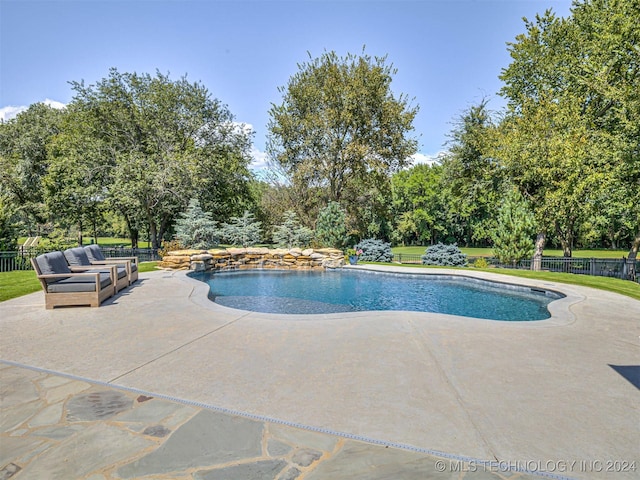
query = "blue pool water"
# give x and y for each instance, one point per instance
(331, 291)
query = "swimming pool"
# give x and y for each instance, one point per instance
(334, 291)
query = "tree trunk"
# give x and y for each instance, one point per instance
(635, 245)
(133, 235)
(541, 239)
(95, 230)
(153, 234)
(80, 233)
(566, 237)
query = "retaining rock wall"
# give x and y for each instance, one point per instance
(246, 258)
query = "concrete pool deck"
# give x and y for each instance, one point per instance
(558, 396)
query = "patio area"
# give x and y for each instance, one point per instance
(233, 394)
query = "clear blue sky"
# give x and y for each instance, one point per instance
(448, 53)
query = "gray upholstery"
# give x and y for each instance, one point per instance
(94, 253)
(79, 284)
(50, 263)
(122, 271)
(77, 257)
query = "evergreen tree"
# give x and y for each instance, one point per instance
(195, 228)
(513, 237)
(244, 230)
(331, 227)
(290, 233)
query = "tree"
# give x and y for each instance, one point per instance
(196, 228)
(331, 227)
(512, 238)
(340, 128)
(245, 230)
(74, 183)
(472, 175)
(166, 141)
(290, 233)
(24, 161)
(418, 204)
(573, 120)
(8, 227)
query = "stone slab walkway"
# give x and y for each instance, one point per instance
(558, 396)
(55, 427)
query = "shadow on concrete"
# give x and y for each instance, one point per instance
(630, 372)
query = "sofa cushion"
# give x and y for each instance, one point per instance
(94, 253)
(50, 263)
(122, 271)
(79, 284)
(77, 257)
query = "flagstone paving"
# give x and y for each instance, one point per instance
(55, 427)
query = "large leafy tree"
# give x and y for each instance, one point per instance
(341, 129)
(74, 186)
(24, 161)
(472, 176)
(571, 134)
(418, 205)
(166, 141)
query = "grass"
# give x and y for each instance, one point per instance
(616, 285)
(488, 252)
(17, 283)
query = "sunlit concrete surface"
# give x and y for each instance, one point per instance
(542, 394)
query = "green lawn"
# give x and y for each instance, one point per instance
(488, 252)
(18, 283)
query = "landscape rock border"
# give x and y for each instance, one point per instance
(253, 258)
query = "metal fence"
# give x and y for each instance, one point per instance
(627, 269)
(624, 268)
(21, 259)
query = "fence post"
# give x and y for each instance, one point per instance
(592, 266)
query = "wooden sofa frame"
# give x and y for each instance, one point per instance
(59, 299)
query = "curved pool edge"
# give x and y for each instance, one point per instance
(559, 309)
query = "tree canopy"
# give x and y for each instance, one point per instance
(341, 129)
(162, 141)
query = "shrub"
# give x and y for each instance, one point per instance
(444, 255)
(481, 263)
(375, 250)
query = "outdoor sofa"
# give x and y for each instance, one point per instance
(97, 258)
(77, 257)
(64, 285)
